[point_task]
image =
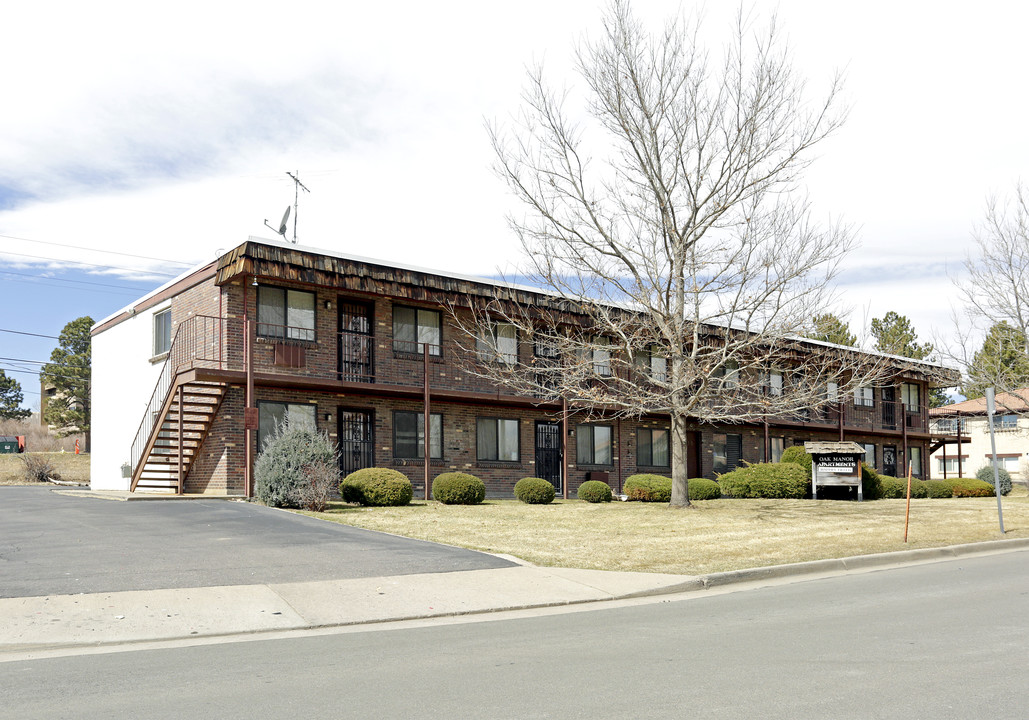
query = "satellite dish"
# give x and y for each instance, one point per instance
(282, 225)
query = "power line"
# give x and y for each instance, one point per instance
(78, 262)
(19, 332)
(32, 362)
(43, 283)
(80, 282)
(109, 252)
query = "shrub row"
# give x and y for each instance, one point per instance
(657, 488)
(766, 480)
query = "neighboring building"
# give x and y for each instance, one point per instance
(344, 343)
(968, 421)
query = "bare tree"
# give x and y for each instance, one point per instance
(996, 302)
(682, 265)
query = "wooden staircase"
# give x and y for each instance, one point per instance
(178, 433)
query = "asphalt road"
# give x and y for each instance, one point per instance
(58, 545)
(940, 641)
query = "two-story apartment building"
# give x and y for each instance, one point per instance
(192, 379)
(968, 420)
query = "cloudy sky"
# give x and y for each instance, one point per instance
(133, 138)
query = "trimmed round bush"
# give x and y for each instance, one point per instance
(766, 480)
(594, 491)
(534, 491)
(457, 488)
(704, 489)
(282, 467)
(376, 487)
(648, 488)
(971, 487)
(985, 473)
(939, 488)
(797, 454)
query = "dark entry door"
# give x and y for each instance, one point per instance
(355, 342)
(889, 408)
(355, 440)
(890, 460)
(548, 452)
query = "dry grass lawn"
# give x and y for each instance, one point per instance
(72, 467)
(715, 535)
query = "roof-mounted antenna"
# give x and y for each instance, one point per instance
(282, 225)
(297, 186)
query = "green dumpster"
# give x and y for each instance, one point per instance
(8, 444)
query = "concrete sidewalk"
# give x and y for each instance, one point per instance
(59, 621)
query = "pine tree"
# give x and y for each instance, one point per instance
(11, 398)
(1001, 361)
(895, 335)
(69, 373)
(831, 328)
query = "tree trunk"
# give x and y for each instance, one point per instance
(680, 450)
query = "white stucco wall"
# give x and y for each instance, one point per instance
(123, 381)
(977, 452)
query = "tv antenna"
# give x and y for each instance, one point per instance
(297, 187)
(282, 225)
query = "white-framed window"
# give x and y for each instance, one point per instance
(497, 439)
(832, 391)
(949, 465)
(409, 435)
(910, 395)
(1005, 422)
(652, 447)
(272, 417)
(601, 355)
(869, 454)
(498, 343)
(285, 313)
(863, 396)
(915, 458)
(653, 364)
(729, 372)
(593, 444)
(776, 445)
(771, 383)
(413, 328)
(1007, 462)
(949, 426)
(162, 332)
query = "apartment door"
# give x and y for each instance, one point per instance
(356, 446)
(355, 342)
(548, 452)
(889, 402)
(890, 460)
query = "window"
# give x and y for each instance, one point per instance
(910, 395)
(273, 415)
(863, 396)
(729, 372)
(949, 465)
(497, 439)
(499, 345)
(653, 364)
(413, 328)
(593, 444)
(775, 447)
(652, 447)
(601, 356)
(1005, 422)
(546, 347)
(869, 454)
(832, 391)
(949, 426)
(915, 458)
(409, 435)
(771, 383)
(283, 313)
(162, 332)
(728, 452)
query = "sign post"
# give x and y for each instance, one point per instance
(835, 463)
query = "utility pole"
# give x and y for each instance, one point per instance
(297, 187)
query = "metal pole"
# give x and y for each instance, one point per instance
(428, 428)
(990, 409)
(907, 512)
(564, 448)
(182, 449)
(959, 445)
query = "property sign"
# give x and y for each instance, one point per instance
(835, 463)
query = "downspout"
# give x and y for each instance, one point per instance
(564, 447)
(248, 399)
(426, 435)
(618, 429)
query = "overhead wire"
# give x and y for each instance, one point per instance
(79, 262)
(109, 252)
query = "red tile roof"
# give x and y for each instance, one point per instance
(1015, 401)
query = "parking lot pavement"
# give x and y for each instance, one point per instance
(52, 544)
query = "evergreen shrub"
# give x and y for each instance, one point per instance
(939, 488)
(457, 488)
(893, 488)
(648, 488)
(704, 489)
(971, 487)
(871, 486)
(797, 454)
(283, 467)
(534, 491)
(595, 491)
(985, 473)
(376, 487)
(767, 480)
